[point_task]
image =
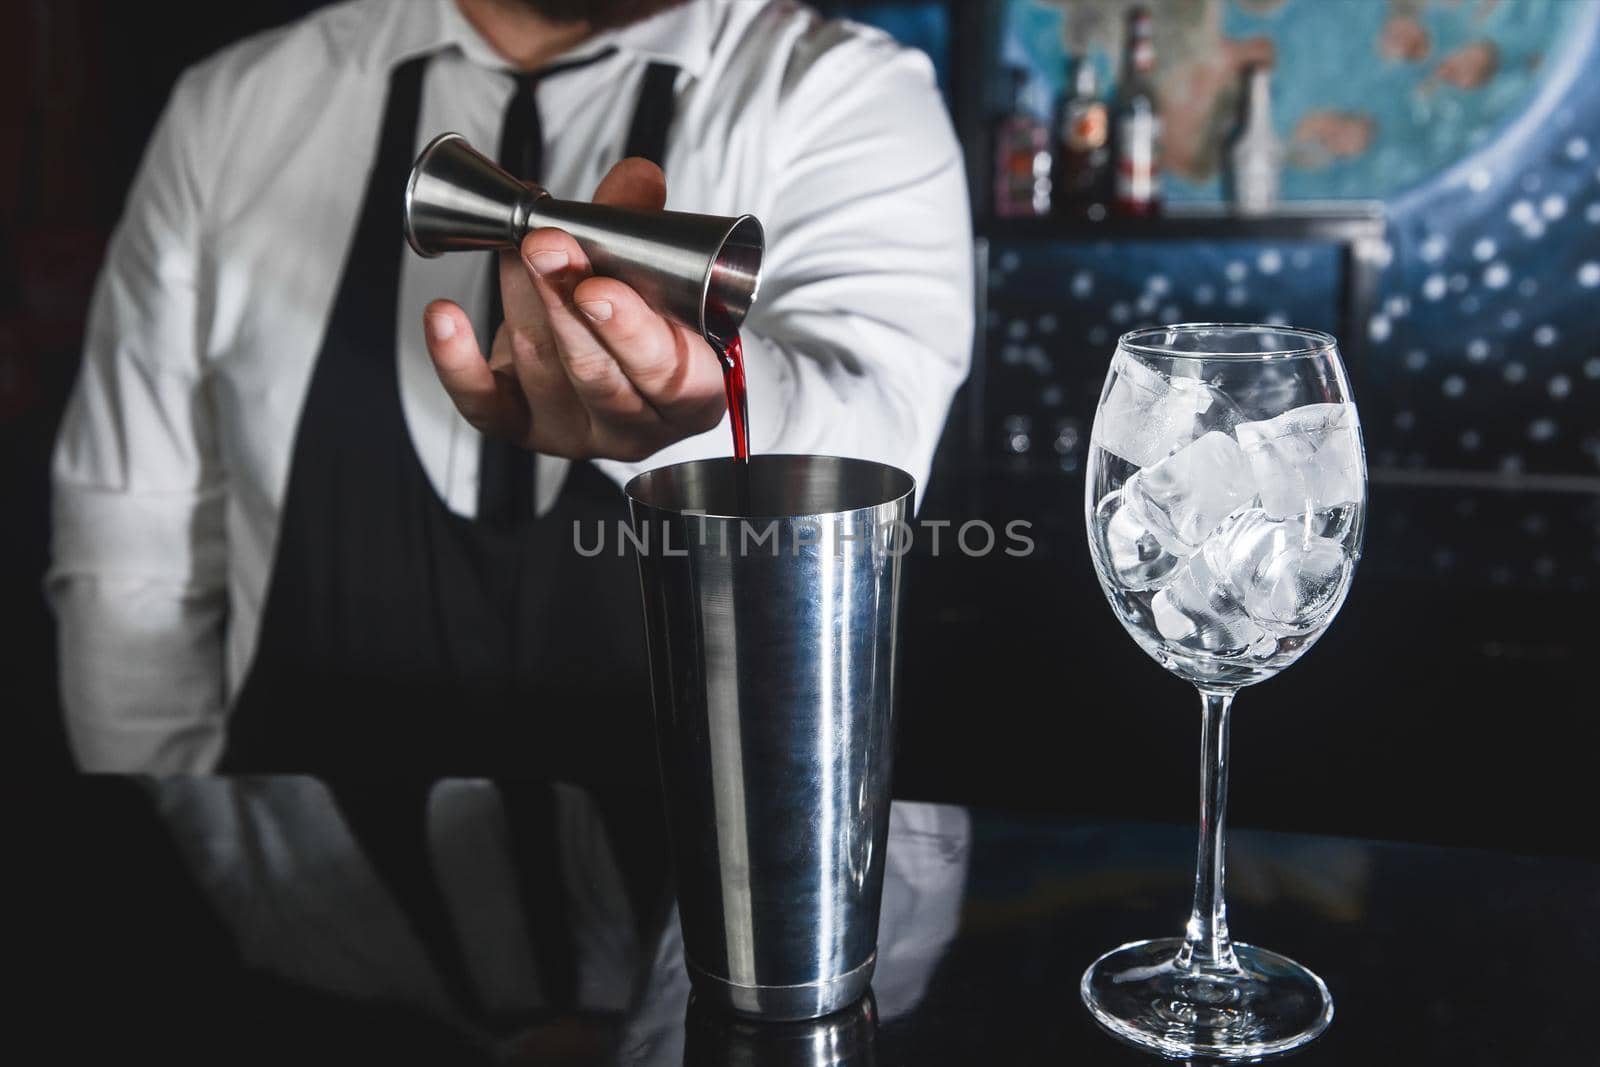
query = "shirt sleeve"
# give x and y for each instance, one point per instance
(862, 329)
(138, 569)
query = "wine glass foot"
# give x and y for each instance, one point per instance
(1271, 1005)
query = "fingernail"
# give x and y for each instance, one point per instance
(597, 310)
(441, 327)
(545, 262)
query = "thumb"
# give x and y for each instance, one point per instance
(491, 402)
(634, 183)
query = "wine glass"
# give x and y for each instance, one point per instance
(1225, 499)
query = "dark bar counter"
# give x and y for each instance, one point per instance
(465, 921)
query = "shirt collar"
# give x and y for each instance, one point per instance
(680, 36)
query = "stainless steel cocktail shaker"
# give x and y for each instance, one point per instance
(772, 615)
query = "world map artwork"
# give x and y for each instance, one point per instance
(1370, 97)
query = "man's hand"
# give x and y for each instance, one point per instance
(581, 367)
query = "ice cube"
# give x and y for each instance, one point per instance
(1147, 415)
(1223, 414)
(1287, 578)
(1262, 389)
(1298, 594)
(1197, 612)
(1332, 523)
(1265, 647)
(1187, 495)
(1127, 549)
(1306, 459)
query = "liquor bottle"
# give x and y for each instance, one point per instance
(1022, 157)
(1136, 122)
(1081, 179)
(1254, 154)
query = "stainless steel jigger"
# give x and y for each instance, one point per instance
(701, 270)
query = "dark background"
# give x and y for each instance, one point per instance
(1447, 704)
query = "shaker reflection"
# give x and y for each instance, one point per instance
(713, 1038)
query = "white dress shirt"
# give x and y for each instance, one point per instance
(174, 454)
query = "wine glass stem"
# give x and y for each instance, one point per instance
(1206, 946)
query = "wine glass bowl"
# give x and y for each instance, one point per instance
(1225, 503)
(1224, 496)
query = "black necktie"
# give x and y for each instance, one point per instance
(506, 471)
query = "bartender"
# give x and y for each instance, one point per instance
(314, 496)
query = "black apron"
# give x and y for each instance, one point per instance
(398, 638)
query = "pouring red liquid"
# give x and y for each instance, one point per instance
(732, 356)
